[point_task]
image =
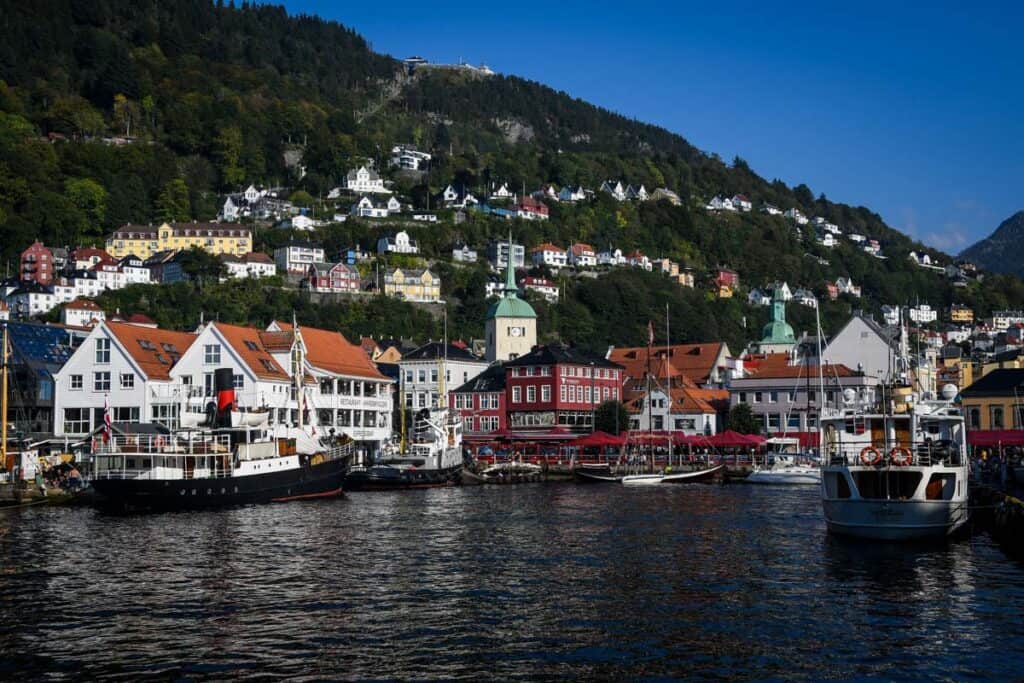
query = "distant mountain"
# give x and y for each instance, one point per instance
(1003, 250)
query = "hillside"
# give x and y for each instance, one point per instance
(1001, 251)
(113, 111)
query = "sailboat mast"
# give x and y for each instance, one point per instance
(668, 383)
(3, 401)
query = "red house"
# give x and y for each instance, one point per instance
(333, 277)
(531, 209)
(726, 277)
(558, 386)
(37, 264)
(480, 403)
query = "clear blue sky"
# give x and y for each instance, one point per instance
(914, 113)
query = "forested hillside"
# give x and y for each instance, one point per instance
(113, 111)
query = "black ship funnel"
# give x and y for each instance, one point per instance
(224, 386)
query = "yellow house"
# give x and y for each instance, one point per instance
(412, 285)
(1007, 360)
(961, 314)
(996, 401)
(145, 240)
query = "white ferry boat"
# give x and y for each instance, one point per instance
(896, 469)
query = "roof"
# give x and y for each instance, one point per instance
(686, 399)
(696, 361)
(436, 350)
(553, 354)
(489, 381)
(155, 351)
(204, 229)
(1002, 382)
(140, 319)
(798, 371)
(45, 346)
(332, 352)
(580, 248)
(82, 305)
(511, 307)
(547, 246)
(247, 344)
(302, 244)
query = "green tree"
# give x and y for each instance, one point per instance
(201, 266)
(172, 205)
(742, 419)
(89, 197)
(227, 151)
(301, 198)
(611, 417)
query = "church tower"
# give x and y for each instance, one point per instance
(511, 324)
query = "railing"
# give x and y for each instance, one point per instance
(167, 445)
(916, 454)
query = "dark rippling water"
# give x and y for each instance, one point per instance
(530, 582)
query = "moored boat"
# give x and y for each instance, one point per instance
(705, 476)
(600, 473)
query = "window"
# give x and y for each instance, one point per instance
(167, 415)
(422, 376)
(773, 397)
(545, 371)
(369, 418)
(467, 423)
(76, 382)
(793, 421)
(607, 393)
(433, 376)
(790, 396)
(561, 394)
(326, 386)
(208, 384)
(76, 420)
(238, 381)
(774, 420)
(211, 354)
(996, 417)
(517, 394)
(545, 393)
(421, 400)
(408, 376)
(586, 392)
(345, 387)
(758, 397)
(125, 414)
(267, 365)
(742, 397)
(102, 350)
(101, 381)
(531, 394)
(369, 389)
(251, 345)
(812, 396)
(127, 380)
(1018, 416)
(974, 417)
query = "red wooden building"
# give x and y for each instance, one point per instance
(37, 264)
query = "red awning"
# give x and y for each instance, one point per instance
(599, 439)
(995, 437)
(807, 439)
(731, 439)
(661, 438)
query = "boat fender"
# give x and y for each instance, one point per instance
(870, 456)
(901, 457)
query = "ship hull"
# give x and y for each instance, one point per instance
(895, 520)
(321, 480)
(385, 478)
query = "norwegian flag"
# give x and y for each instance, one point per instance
(108, 424)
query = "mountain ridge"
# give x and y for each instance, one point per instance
(1000, 252)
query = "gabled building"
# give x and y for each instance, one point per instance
(295, 256)
(531, 209)
(558, 386)
(992, 403)
(36, 264)
(708, 365)
(865, 346)
(462, 253)
(796, 216)
(333, 277)
(399, 243)
(568, 194)
(409, 158)
(255, 264)
(412, 284)
(144, 241)
(742, 203)
(615, 189)
(690, 411)
(429, 371)
(663, 193)
(581, 255)
(81, 313)
(36, 353)
(549, 255)
(546, 288)
(480, 404)
(126, 366)
(365, 180)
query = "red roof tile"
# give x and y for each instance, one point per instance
(154, 350)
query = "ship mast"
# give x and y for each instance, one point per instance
(3, 401)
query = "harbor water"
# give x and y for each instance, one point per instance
(516, 582)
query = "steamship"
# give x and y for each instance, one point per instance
(229, 458)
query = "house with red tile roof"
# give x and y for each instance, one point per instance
(548, 254)
(350, 394)
(81, 313)
(128, 368)
(706, 365)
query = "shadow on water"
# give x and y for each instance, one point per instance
(517, 582)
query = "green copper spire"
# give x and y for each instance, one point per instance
(510, 272)
(778, 330)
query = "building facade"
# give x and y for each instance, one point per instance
(144, 241)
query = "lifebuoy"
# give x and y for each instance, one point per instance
(869, 461)
(895, 459)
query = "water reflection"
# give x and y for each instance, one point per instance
(537, 581)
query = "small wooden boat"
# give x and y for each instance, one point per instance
(643, 479)
(595, 473)
(705, 476)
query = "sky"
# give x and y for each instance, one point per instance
(915, 113)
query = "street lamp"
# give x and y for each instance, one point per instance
(593, 401)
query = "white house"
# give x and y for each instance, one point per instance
(637, 193)
(254, 265)
(420, 373)
(261, 383)
(365, 180)
(367, 208)
(127, 367)
(687, 411)
(796, 216)
(845, 286)
(639, 260)
(543, 286)
(568, 194)
(548, 254)
(503, 192)
(424, 217)
(923, 314)
(742, 203)
(862, 344)
(463, 254)
(581, 256)
(771, 209)
(497, 255)
(612, 257)
(409, 158)
(718, 203)
(31, 299)
(399, 243)
(296, 256)
(81, 313)
(805, 297)
(758, 297)
(615, 189)
(827, 239)
(666, 194)
(890, 314)
(350, 396)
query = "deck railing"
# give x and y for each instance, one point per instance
(916, 454)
